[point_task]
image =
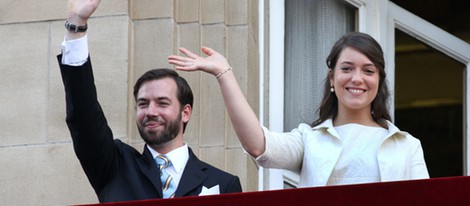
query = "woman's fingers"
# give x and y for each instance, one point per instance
(188, 53)
(208, 51)
(210, 64)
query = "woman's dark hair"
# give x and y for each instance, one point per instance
(184, 93)
(366, 45)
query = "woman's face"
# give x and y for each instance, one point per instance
(355, 80)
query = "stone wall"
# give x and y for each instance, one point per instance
(126, 38)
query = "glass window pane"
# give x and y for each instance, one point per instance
(429, 89)
(311, 28)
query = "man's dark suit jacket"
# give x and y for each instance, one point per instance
(117, 171)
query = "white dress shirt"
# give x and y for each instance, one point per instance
(75, 52)
(178, 157)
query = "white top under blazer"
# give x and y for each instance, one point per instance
(324, 157)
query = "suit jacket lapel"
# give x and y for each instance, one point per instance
(149, 168)
(193, 176)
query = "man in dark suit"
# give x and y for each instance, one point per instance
(117, 171)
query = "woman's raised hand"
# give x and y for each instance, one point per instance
(213, 64)
(243, 118)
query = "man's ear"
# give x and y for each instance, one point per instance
(186, 113)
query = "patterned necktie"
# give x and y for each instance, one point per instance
(168, 185)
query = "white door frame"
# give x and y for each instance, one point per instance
(429, 34)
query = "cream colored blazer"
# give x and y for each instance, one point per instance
(313, 152)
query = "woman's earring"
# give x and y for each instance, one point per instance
(332, 89)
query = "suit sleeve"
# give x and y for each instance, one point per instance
(92, 138)
(234, 185)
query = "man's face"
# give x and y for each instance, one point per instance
(159, 114)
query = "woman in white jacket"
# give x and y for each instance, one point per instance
(352, 141)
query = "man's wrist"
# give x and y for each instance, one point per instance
(75, 28)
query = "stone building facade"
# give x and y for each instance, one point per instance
(126, 38)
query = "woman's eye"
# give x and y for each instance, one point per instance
(346, 69)
(369, 71)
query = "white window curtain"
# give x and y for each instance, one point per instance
(311, 28)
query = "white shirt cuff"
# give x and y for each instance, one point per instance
(75, 52)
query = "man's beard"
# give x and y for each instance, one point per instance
(158, 138)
